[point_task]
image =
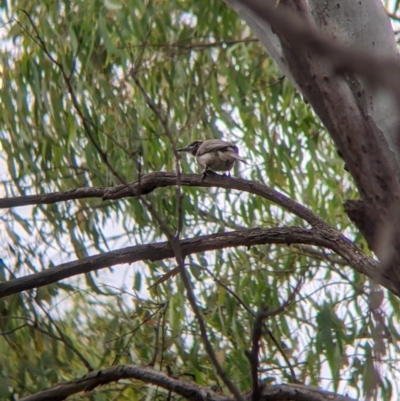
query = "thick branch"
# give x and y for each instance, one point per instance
(346, 85)
(298, 392)
(149, 182)
(54, 197)
(302, 34)
(323, 235)
(327, 238)
(189, 390)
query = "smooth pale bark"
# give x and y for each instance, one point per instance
(310, 41)
(355, 24)
(366, 25)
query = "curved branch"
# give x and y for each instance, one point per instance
(187, 389)
(54, 197)
(316, 42)
(326, 237)
(150, 182)
(322, 234)
(145, 374)
(299, 392)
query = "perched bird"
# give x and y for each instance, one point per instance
(214, 154)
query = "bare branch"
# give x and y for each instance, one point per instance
(269, 313)
(161, 315)
(253, 354)
(333, 239)
(298, 392)
(186, 389)
(330, 239)
(63, 338)
(149, 182)
(180, 44)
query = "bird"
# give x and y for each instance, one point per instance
(214, 155)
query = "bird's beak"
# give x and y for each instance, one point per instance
(186, 149)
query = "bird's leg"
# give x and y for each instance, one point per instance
(206, 172)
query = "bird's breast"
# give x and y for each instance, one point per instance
(216, 161)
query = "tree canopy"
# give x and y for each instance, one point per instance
(123, 267)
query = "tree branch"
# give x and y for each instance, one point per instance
(316, 51)
(299, 392)
(64, 338)
(253, 354)
(145, 374)
(176, 245)
(327, 238)
(67, 80)
(150, 182)
(302, 34)
(186, 389)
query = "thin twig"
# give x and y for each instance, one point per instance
(226, 288)
(161, 315)
(131, 333)
(268, 331)
(198, 45)
(5, 333)
(65, 340)
(270, 313)
(278, 345)
(176, 246)
(171, 138)
(73, 97)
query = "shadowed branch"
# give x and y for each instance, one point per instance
(327, 238)
(186, 389)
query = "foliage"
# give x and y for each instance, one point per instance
(208, 77)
